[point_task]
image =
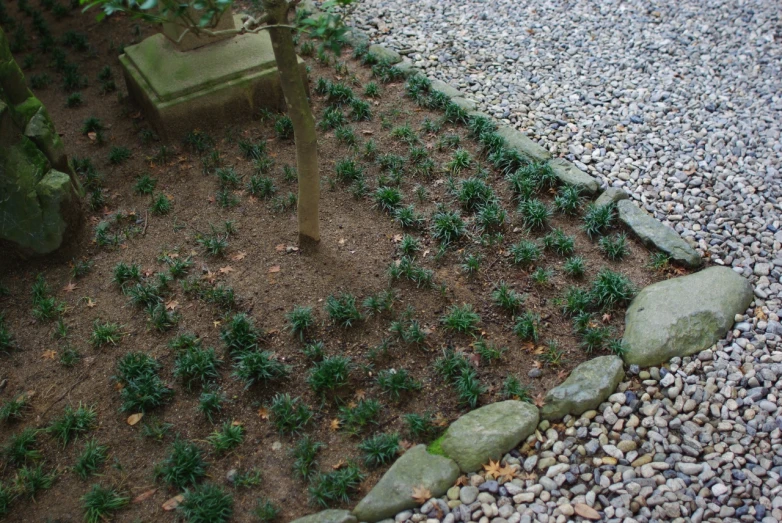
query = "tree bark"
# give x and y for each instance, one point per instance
(300, 113)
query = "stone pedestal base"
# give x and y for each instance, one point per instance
(212, 86)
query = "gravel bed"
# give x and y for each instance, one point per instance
(679, 104)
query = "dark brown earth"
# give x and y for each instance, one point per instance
(358, 244)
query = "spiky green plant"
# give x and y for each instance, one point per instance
(118, 155)
(576, 301)
(568, 200)
(559, 242)
(229, 436)
(252, 366)
(329, 375)
(525, 253)
(396, 382)
(289, 415)
(408, 218)
(611, 289)
(354, 418)
(512, 388)
(342, 309)
(105, 333)
(304, 455)
(73, 423)
(101, 502)
(210, 403)
(336, 486)
(471, 264)
(659, 261)
(507, 298)
(387, 198)
(14, 408)
(197, 366)
(420, 425)
(91, 459)
(461, 319)
(207, 503)
(575, 266)
(21, 447)
(240, 333)
(534, 213)
(526, 326)
(597, 219)
(379, 449)
(300, 320)
(594, 338)
(614, 247)
(183, 466)
(31, 479)
(447, 226)
(142, 387)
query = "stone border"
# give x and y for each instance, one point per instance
(489, 432)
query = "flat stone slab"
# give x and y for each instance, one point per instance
(611, 195)
(328, 516)
(654, 234)
(522, 143)
(572, 175)
(683, 316)
(449, 91)
(394, 492)
(488, 433)
(585, 389)
(464, 103)
(385, 54)
(210, 86)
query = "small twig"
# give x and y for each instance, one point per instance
(146, 222)
(69, 389)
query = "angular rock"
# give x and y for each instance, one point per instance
(407, 68)
(450, 92)
(488, 433)
(585, 389)
(611, 195)
(572, 175)
(464, 103)
(393, 493)
(521, 143)
(328, 516)
(384, 53)
(685, 315)
(654, 234)
(356, 37)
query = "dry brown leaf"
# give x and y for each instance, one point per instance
(462, 481)
(340, 464)
(49, 354)
(92, 136)
(216, 323)
(492, 470)
(70, 287)
(135, 418)
(144, 496)
(760, 315)
(210, 199)
(274, 268)
(239, 256)
(335, 424)
(585, 511)
(507, 472)
(90, 303)
(540, 400)
(562, 374)
(173, 503)
(341, 241)
(397, 238)
(172, 305)
(280, 247)
(440, 420)
(537, 364)
(606, 317)
(226, 269)
(406, 445)
(421, 495)
(361, 394)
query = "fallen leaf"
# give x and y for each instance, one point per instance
(274, 268)
(341, 241)
(226, 269)
(135, 418)
(760, 315)
(216, 323)
(144, 496)
(492, 469)
(173, 503)
(462, 481)
(92, 136)
(90, 303)
(421, 495)
(406, 445)
(562, 374)
(172, 305)
(361, 394)
(606, 317)
(263, 412)
(211, 199)
(341, 463)
(537, 364)
(335, 424)
(238, 256)
(70, 287)
(49, 354)
(540, 400)
(280, 247)
(440, 420)
(585, 511)
(397, 238)
(507, 472)
(209, 276)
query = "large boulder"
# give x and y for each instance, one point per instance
(655, 235)
(394, 492)
(488, 433)
(587, 387)
(685, 315)
(328, 516)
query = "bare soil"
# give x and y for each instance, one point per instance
(358, 244)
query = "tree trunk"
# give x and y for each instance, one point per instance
(300, 114)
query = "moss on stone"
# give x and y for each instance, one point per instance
(435, 448)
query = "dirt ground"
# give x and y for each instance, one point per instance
(358, 244)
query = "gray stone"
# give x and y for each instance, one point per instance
(385, 53)
(393, 493)
(407, 68)
(611, 195)
(488, 433)
(654, 234)
(571, 175)
(682, 316)
(464, 103)
(328, 516)
(585, 389)
(520, 142)
(450, 92)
